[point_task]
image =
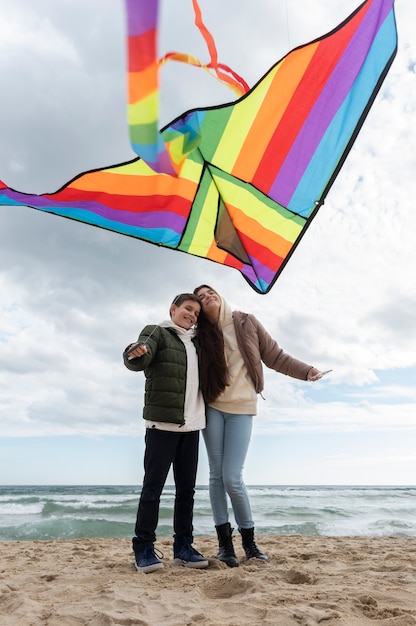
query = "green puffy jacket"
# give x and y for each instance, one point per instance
(164, 367)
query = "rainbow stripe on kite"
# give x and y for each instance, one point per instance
(239, 183)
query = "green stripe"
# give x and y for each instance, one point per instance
(195, 213)
(212, 129)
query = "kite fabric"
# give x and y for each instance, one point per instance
(237, 183)
(163, 154)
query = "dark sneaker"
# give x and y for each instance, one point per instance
(146, 560)
(184, 554)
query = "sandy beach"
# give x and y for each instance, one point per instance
(309, 580)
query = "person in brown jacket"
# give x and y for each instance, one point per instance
(233, 347)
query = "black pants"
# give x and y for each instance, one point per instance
(162, 450)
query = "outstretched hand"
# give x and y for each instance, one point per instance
(315, 374)
(136, 350)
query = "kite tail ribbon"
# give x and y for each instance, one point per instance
(143, 93)
(162, 154)
(223, 73)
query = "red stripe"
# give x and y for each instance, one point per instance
(327, 55)
(141, 51)
(263, 255)
(231, 261)
(131, 204)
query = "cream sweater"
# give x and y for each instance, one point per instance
(240, 396)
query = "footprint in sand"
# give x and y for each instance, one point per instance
(295, 577)
(388, 615)
(226, 587)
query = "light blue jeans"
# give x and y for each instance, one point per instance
(227, 437)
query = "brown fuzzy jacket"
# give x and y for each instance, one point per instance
(257, 346)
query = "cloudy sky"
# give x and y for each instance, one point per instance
(72, 296)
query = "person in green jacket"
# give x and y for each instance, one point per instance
(174, 411)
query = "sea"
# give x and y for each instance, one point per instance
(69, 512)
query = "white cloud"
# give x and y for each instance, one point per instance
(71, 296)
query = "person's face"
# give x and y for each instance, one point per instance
(211, 301)
(186, 314)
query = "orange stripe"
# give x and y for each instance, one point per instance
(135, 184)
(141, 84)
(215, 254)
(257, 232)
(220, 256)
(275, 102)
(327, 54)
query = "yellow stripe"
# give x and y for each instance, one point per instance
(191, 170)
(145, 111)
(253, 208)
(204, 234)
(240, 121)
(285, 79)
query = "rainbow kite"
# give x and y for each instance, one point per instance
(237, 183)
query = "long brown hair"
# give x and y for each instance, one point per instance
(214, 370)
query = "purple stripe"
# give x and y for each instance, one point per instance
(141, 16)
(247, 271)
(153, 219)
(263, 272)
(331, 98)
(158, 219)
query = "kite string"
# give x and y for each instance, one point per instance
(287, 26)
(323, 332)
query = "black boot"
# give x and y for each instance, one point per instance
(226, 552)
(250, 547)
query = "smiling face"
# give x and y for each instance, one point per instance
(211, 302)
(185, 314)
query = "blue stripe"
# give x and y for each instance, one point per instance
(339, 132)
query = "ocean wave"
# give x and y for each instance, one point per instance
(31, 512)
